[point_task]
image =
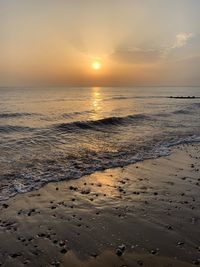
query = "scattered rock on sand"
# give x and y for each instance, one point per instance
(55, 263)
(120, 250)
(180, 243)
(85, 191)
(63, 251)
(196, 262)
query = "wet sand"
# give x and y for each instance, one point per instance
(145, 214)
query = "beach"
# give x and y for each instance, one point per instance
(99, 133)
(143, 214)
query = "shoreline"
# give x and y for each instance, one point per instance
(152, 207)
(164, 150)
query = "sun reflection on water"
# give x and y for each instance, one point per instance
(96, 103)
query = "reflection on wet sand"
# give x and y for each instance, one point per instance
(109, 259)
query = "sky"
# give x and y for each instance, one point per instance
(135, 42)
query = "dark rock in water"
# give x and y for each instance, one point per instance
(183, 97)
(5, 206)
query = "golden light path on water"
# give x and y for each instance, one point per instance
(98, 110)
(96, 103)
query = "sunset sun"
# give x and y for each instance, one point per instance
(96, 65)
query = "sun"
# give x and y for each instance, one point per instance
(96, 65)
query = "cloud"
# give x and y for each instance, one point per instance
(182, 39)
(136, 55)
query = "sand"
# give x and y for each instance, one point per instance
(147, 213)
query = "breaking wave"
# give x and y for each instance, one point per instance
(106, 122)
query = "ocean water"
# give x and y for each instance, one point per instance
(53, 134)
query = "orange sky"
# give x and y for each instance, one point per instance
(137, 42)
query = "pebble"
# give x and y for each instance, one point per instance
(180, 243)
(120, 250)
(63, 251)
(196, 262)
(5, 206)
(85, 191)
(55, 263)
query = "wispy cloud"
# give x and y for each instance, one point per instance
(182, 39)
(136, 55)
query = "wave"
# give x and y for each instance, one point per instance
(188, 109)
(106, 122)
(87, 164)
(14, 115)
(76, 113)
(14, 128)
(182, 111)
(196, 105)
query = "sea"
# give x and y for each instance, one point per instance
(54, 134)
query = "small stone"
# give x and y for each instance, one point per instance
(62, 243)
(26, 262)
(153, 251)
(85, 191)
(196, 262)
(139, 262)
(55, 263)
(15, 255)
(180, 243)
(120, 250)
(5, 206)
(41, 235)
(94, 255)
(63, 251)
